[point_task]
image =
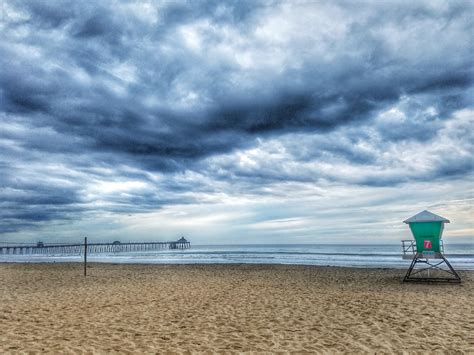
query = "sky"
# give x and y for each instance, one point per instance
(235, 122)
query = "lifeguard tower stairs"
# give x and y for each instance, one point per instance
(427, 250)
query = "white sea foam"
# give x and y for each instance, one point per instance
(461, 256)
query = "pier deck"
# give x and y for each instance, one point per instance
(78, 248)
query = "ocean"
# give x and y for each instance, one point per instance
(461, 256)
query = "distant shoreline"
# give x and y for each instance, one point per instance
(99, 263)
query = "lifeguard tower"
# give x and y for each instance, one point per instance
(427, 249)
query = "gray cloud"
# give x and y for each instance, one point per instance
(171, 98)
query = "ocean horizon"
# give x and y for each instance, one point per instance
(460, 255)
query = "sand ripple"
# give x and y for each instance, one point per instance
(225, 309)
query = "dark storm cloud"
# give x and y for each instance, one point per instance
(47, 14)
(163, 88)
(30, 204)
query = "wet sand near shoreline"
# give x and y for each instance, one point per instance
(229, 308)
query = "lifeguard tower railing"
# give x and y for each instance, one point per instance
(409, 248)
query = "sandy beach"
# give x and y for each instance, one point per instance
(229, 308)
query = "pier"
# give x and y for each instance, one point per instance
(92, 248)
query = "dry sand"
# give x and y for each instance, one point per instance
(218, 308)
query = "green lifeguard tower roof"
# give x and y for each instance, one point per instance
(426, 216)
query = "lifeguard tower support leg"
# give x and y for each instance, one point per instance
(453, 272)
(430, 266)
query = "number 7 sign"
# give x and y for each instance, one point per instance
(427, 244)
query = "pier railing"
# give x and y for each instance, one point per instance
(92, 248)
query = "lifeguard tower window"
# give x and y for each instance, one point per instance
(427, 230)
